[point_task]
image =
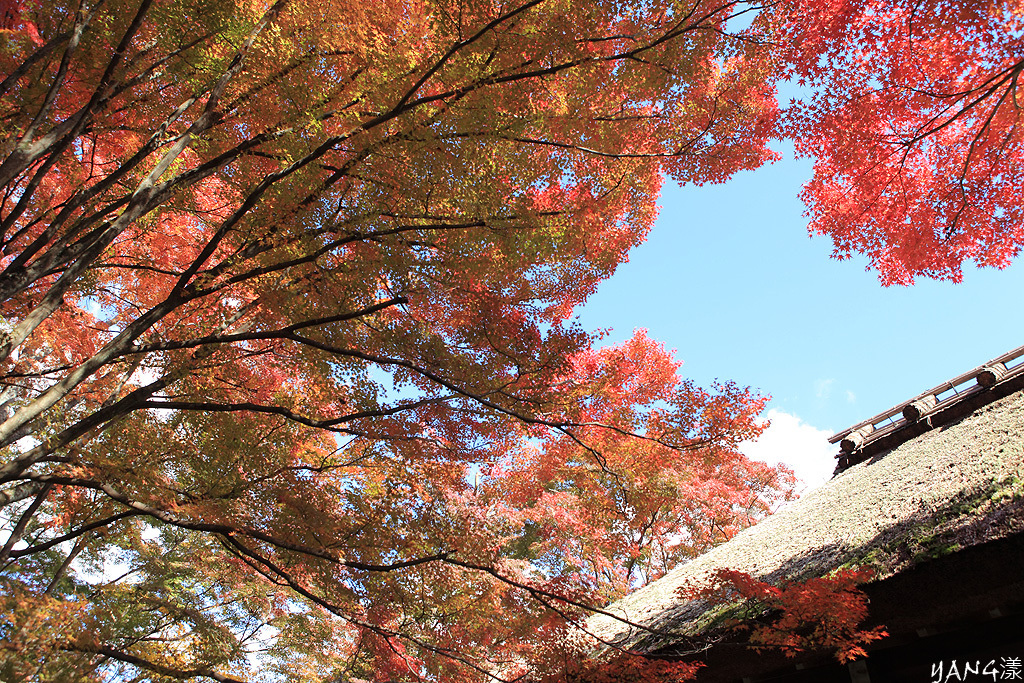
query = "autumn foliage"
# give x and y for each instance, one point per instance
(913, 115)
(291, 382)
(819, 613)
(574, 666)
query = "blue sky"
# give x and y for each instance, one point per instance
(730, 279)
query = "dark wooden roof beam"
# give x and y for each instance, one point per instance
(912, 412)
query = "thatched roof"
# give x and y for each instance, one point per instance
(957, 484)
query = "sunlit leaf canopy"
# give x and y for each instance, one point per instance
(912, 112)
(292, 387)
(292, 383)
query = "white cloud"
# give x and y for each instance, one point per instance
(802, 447)
(851, 397)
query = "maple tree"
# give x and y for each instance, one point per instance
(819, 613)
(913, 115)
(291, 383)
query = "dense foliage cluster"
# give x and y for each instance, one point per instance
(291, 384)
(819, 613)
(913, 117)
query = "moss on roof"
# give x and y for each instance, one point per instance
(959, 485)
